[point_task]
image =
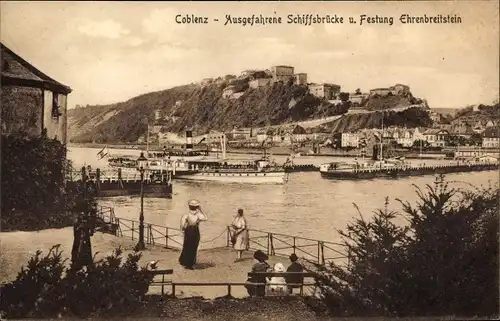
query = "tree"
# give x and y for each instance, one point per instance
(476, 140)
(358, 91)
(444, 261)
(344, 96)
(420, 143)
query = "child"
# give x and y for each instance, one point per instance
(277, 283)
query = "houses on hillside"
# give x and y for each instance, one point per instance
(491, 138)
(32, 102)
(286, 134)
(326, 91)
(396, 90)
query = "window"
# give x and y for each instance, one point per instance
(55, 106)
(5, 64)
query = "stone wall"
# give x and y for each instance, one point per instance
(21, 110)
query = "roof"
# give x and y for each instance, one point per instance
(282, 66)
(379, 89)
(491, 132)
(22, 73)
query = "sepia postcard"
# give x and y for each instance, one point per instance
(275, 160)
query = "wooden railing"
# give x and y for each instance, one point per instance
(274, 244)
(153, 234)
(277, 244)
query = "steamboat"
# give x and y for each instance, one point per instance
(261, 171)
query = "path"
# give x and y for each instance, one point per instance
(214, 265)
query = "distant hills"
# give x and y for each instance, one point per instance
(203, 108)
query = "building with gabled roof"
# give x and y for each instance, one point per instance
(32, 102)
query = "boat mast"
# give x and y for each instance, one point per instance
(382, 141)
(147, 140)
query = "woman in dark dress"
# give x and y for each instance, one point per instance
(260, 266)
(81, 254)
(190, 226)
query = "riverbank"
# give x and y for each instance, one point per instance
(275, 150)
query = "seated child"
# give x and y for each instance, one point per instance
(277, 283)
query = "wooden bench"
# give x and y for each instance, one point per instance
(263, 275)
(161, 282)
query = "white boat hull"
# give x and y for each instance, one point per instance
(241, 178)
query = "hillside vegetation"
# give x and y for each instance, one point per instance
(412, 117)
(203, 108)
(482, 112)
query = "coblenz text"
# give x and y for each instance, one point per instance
(190, 18)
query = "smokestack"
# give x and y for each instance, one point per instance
(189, 140)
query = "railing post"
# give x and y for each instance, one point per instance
(132, 230)
(166, 237)
(227, 236)
(319, 262)
(294, 245)
(272, 245)
(323, 253)
(268, 243)
(229, 290)
(173, 290)
(162, 284)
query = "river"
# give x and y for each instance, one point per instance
(307, 205)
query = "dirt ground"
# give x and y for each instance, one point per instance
(214, 265)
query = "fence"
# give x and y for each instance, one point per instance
(274, 244)
(153, 234)
(277, 244)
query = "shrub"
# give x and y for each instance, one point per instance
(47, 289)
(34, 191)
(444, 262)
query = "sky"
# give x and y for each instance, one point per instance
(109, 52)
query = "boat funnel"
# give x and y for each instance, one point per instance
(189, 140)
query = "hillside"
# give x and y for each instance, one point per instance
(478, 113)
(391, 101)
(203, 108)
(412, 117)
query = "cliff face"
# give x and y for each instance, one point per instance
(202, 108)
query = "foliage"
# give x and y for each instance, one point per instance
(455, 140)
(203, 108)
(443, 262)
(34, 191)
(420, 143)
(411, 117)
(475, 140)
(483, 112)
(46, 288)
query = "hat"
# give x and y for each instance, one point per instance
(293, 257)
(193, 203)
(260, 256)
(278, 267)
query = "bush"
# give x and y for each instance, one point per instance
(34, 191)
(444, 262)
(47, 289)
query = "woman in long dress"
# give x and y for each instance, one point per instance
(239, 236)
(190, 226)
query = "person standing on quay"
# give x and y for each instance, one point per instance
(81, 253)
(190, 226)
(239, 237)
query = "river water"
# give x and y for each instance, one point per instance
(307, 206)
